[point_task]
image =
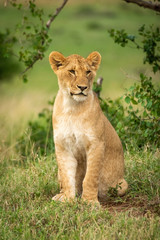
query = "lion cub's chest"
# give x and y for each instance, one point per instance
(72, 134)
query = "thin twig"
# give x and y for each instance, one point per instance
(146, 4)
(58, 10)
(5, 3)
(37, 57)
(99, 84)
(48, 24)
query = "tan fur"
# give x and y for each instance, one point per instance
(88, 150)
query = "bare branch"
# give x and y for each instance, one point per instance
(48, 24)
(37, 57)
(99, 84)
(58, 10)
(5, 3)
(146, 4)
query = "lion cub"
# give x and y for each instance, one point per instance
(88, 150)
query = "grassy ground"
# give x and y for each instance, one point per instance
(28, 184)
(27, 211)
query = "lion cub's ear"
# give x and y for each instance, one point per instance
(94, 60)
(56, 60)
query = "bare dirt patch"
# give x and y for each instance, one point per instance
(137, 206)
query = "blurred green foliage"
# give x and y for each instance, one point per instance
(80, 28)
(38, 138)
(8, 65)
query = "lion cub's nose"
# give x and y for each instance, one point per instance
(82, 88)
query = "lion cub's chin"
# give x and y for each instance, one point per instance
(79, 98)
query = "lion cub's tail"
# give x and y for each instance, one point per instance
(123, 186)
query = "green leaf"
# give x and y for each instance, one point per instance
(127, 99)
(131, 88)
(134, 101)
(142, 76)
(145, 114)
(119, 125)
(149, 104)
(25, 80)
(131, 37)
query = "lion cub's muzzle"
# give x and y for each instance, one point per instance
(82, 90)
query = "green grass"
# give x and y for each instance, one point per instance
(27, 184)
(27, 211)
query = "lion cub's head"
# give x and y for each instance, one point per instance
(75, 73)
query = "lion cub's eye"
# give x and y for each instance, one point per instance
(72, 72)
(88, 72)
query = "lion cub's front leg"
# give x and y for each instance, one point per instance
(90, 184)
(67, 166)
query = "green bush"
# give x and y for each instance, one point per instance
(38, 138)
(143, 112)
(138, 123)
(141, 120)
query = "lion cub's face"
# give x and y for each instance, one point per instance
(75, 73)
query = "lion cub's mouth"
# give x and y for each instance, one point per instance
(80, 94)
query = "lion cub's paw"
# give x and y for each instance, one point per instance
(59, 197)
(95, 204)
